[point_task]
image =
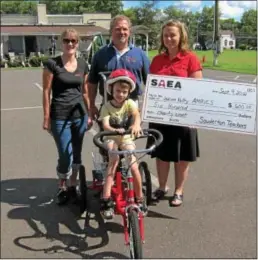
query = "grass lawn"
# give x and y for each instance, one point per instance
(230, 60)
(22, 68)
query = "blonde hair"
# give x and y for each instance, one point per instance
(70, 31)
(119, 18)
(183, 43)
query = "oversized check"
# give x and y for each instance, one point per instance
(210, 104)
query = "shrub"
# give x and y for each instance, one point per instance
(3, 62)
(43, 59)
(242, 47)
(35, 61)
(14, 63)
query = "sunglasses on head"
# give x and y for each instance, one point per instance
(67, 41)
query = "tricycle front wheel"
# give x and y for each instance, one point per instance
(135, 242)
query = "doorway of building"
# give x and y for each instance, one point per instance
(30, 44)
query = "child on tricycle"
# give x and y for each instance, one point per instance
(118, 115)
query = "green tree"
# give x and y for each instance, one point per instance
(67, 7)
(228, 24)
(206, 20)
(85, 6)
(206, 26)
(173, 12)
(195, 29)
(132, 14)
(18, 7)
(62, 7)
(78, 7)
(189, 20)
(248, 28)
(249, 22)
(112, 6)
(146, 15)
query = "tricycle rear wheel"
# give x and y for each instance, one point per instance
(146, 182)
(82, 189)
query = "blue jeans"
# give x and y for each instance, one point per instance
(68, 136)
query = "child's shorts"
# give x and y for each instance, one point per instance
(120, 140)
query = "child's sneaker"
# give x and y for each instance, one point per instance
(142, 205)
(107, 208)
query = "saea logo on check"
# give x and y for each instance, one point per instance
(164, 83)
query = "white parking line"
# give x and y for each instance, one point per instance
(255, 79)
(38, 86)
(236, 77)
(19, 108)
(25, 108)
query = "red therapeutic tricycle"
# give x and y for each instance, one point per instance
(122, 190)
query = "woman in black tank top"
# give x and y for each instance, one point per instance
(65, 115)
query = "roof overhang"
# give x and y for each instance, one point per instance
(41, 30)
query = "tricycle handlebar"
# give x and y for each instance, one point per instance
(155, 134)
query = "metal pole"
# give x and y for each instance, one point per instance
(216, 33)
(147, 44)
(198, 22)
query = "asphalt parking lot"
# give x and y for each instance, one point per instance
(217, 220)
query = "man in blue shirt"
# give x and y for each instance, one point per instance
(117, 54)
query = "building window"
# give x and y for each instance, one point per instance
(230, 43)
(15, 44)
(225, 42)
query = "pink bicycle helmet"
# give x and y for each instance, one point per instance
(121, 74)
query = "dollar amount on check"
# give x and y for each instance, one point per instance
(210, 104)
